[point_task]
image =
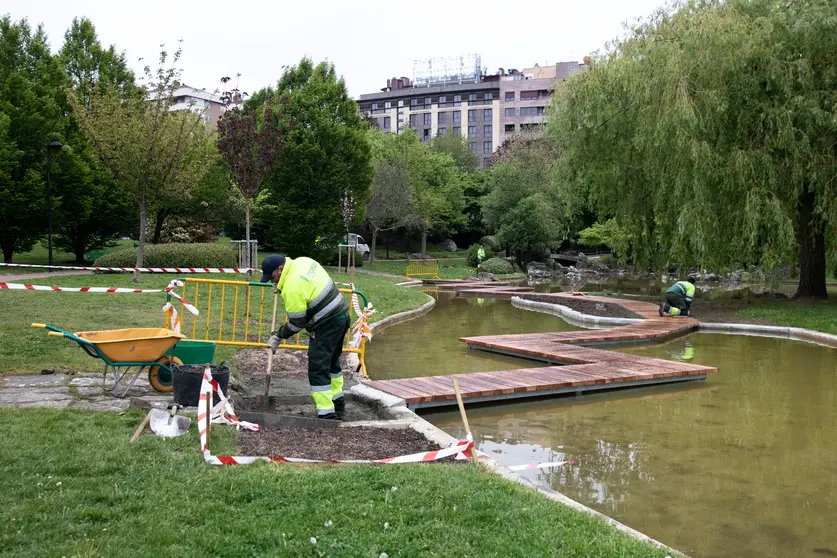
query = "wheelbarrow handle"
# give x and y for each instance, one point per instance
(49, 327)
(55, 334)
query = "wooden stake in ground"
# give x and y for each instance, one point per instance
(464, 418)
(270, 351)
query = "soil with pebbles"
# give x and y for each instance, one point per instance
(289, 375)
(356, 442)
(355, 410)
(579, 304)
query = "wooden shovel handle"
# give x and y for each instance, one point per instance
(140, 428)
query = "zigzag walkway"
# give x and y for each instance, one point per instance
(575, 366)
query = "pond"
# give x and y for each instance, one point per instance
(744, 464)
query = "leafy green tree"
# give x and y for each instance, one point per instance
(524, 204)
(30, 79)
(458, 148)
(91, 210)
(151, 152)
(608, 234)
(325, 156)
(709, 133)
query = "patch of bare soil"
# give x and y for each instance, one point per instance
(357, 442)
(355, 410)
(289, 375)
(580, 304)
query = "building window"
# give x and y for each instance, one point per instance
(486, 147)
(534, 95)
(530, 127)
(509, 128)
(486, 162)
(427, 119)
(387, 123)
(509, 111)
(486, 114)
(472, 131)
(426, 135)
(472, 97)
(486, 130)
(473, 147)
(414, 119)
(457, 131)
(413, 103)
(457, 100)
(510, 95)
(427, 102)
(443, 118)
(388, 105)
(487, 97)
(443, 102)
(442, 131)
(400, 104)
(472, 116)
(532, 111)
(457, 116)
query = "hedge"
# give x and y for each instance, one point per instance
(473, 254)
(173, 255)
(496, 266)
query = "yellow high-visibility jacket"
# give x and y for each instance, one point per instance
(310, 296)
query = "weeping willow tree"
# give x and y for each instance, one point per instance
(710, 134)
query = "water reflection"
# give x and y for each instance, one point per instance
(744, 464)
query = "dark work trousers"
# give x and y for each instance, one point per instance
(324, 350)
(676, 300)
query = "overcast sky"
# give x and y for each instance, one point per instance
(367, 41)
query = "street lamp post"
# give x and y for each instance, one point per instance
(53, 145)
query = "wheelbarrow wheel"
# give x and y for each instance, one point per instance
(161, 378)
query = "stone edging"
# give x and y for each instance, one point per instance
(400, 412)
(779, 332)
(571, 316)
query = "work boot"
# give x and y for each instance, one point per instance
(660, 309)
(340, 408)
(330, 416)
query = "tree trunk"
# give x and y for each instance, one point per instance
(8, 251)
(160, 218)
(249, 253)
(374, 243)
(78, 250)
(387, 243)
(424, 242)
(143, 210)
(811, 250)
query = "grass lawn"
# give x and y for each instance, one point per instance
(75, 487)
(27, 351)
(455, 268)
(810, 314)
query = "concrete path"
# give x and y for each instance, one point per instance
(75, 391)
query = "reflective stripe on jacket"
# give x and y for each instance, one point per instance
(310, 296)
(684, 288)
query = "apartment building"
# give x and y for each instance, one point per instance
(487, 109)
(189, 98)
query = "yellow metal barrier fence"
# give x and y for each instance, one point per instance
(419, 268)
(238, 313)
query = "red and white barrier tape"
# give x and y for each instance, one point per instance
(226, 415)
(24, 287)
(140, 269)
(186, 304)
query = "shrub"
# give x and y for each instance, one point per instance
(496, 266)
(473, 254)
(491, 242)
(173, 255)
(180, 230)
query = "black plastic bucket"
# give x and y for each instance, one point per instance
(187, 381)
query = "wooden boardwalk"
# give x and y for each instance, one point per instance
(574, 367)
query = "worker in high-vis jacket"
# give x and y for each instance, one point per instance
(314, 303)
(678, 300)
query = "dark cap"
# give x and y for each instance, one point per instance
(271, 264)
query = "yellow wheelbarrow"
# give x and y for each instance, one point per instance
(123, 349)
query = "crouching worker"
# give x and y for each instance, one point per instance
(678, 299)
(313, 303)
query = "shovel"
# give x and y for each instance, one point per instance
(270, 353)
(169, 425)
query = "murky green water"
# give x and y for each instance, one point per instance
(430, 345)
(744, 464)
